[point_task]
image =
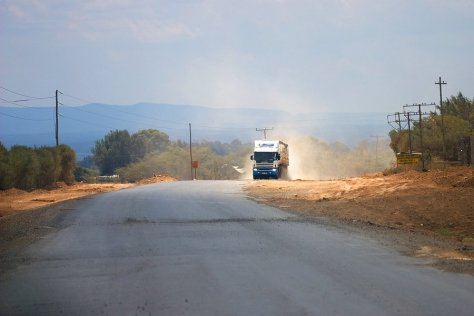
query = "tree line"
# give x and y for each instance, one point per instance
(29, 168)
(150, 152)
(458, 124)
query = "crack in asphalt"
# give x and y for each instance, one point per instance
(131, 220)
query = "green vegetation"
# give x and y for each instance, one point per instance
(443, 231)
(29, 168)
(150, 152)
(118, 149)
(458, 125)
(88, 175)
(216, 161)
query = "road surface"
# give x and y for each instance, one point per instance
(202, 248)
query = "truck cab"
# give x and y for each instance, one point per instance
(270, 159)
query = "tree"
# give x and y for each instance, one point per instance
(399, 141)
(147, 141)
(113, 151)
(67, 164)
(6, 174)
(49, 166)
(455, 129)
(25, 166)
(461, 107)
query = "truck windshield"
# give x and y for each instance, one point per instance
(264, 156)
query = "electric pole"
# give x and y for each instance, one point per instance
(441, 83)
(397, 120)
(57, 116)
(409, 132)
(264, 130)
(190, 151)
(376, 149)
(420, 114)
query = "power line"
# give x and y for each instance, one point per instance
(109, 117)
(18, 104)
(27, 100)
(25, 95)
(24, 118)
(82, 121)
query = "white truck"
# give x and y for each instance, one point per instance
(270, 159)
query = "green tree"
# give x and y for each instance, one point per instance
(147, 141)
(6, 174)
(113, 151)
(461, 107)
(455, 128)
(49, 166)
(25, 167)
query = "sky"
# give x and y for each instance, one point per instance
(300, 56)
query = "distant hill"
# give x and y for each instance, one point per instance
(81, 126)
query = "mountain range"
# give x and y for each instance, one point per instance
(81, 126)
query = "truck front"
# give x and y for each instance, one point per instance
(266, 160)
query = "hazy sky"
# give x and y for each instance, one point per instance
(320, 55)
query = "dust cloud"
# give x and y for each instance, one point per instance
(314, 159)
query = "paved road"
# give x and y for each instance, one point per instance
(202, 248)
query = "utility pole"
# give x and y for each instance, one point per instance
(421, 127)
(397, 120)
(376, 149)
(57, 116)
(264, 130)
(441, 83)
(190, 151)
(409, 132)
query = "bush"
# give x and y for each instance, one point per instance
(67, 164)
(28, 168)
(88, 175)
(24, 165)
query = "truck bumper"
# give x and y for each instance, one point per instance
(265, 173)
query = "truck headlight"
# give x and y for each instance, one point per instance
(274, 169)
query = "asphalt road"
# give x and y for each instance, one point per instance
(202, 248)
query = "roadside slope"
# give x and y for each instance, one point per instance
(438, 204)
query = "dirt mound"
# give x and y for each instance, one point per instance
(468, 182)
(157, 179)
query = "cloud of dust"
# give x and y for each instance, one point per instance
(313, 159)
(248, 174)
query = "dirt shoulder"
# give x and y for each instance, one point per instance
(429, 214)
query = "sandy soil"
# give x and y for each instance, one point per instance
(438, 205)
(15, 201)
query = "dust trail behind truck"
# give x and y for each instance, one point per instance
(270, 159)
